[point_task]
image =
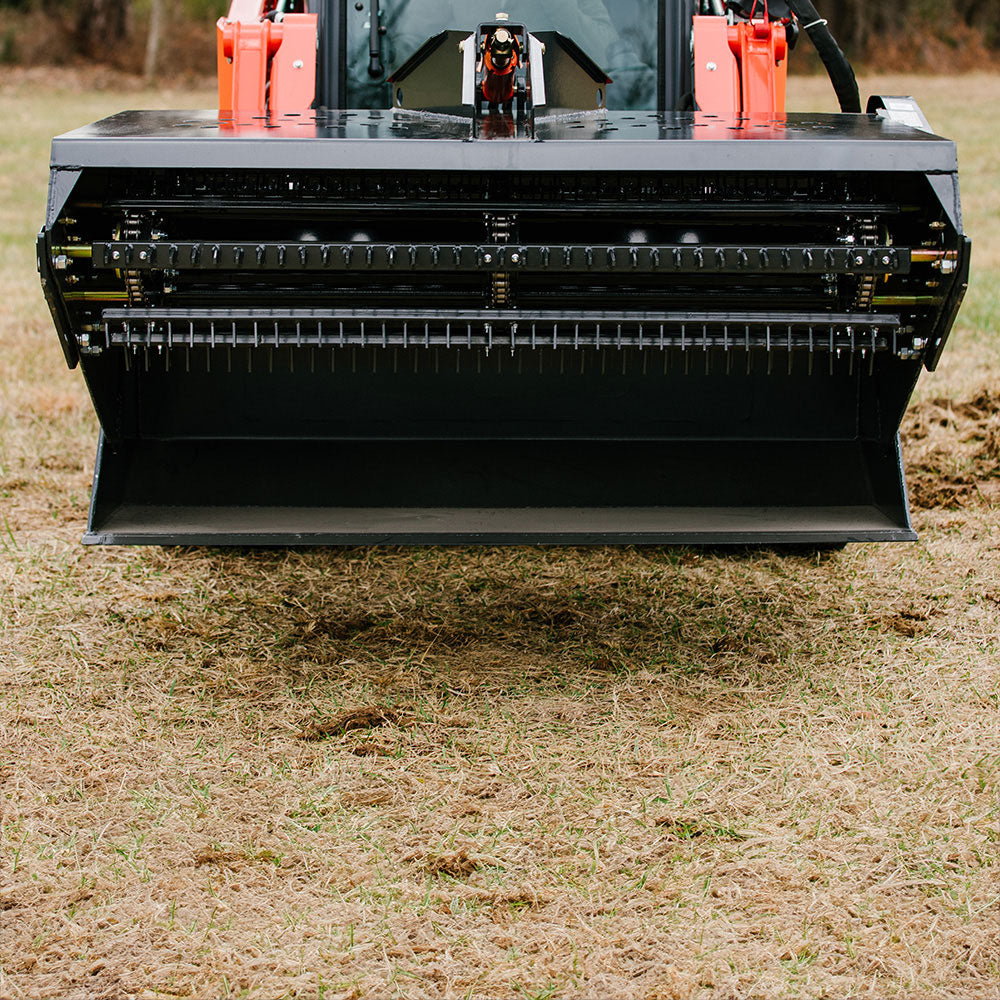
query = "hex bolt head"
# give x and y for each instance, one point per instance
(711, 67)
(488, 258)
(298, 64)
(515, 258)
(116, 255)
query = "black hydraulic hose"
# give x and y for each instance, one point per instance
(841, 74)
(375, 67)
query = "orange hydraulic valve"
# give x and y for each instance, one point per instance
(265, 66)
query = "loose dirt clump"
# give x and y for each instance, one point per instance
(695, 828)
(346, 722)
(458, 865)
(909, 624)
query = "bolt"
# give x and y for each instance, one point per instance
(887, 260)
(143, 255)
(515, 258)
(83, 340)
(116, 255)
(488, 258)
(919, 343)
(298, 64)
(712, 67)
(859, 260)
(61, 262)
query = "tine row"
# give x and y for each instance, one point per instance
(624, 259)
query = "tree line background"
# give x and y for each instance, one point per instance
(175, 37)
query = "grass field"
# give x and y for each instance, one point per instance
(653, 774)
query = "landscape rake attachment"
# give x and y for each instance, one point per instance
(489, 304)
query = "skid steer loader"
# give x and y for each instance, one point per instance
(562, 274)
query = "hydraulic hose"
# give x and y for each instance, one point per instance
(841, 74)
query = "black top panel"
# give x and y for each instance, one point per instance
(364, 140)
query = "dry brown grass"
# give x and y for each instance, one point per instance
(657, 774)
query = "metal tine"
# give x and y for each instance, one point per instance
(770, 353)
(789, 349)
(871, 360)
(812, 350)
(831, 349)
(746, 336)
(187, 359)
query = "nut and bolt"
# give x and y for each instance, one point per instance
(711, 67)
(488, 258)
